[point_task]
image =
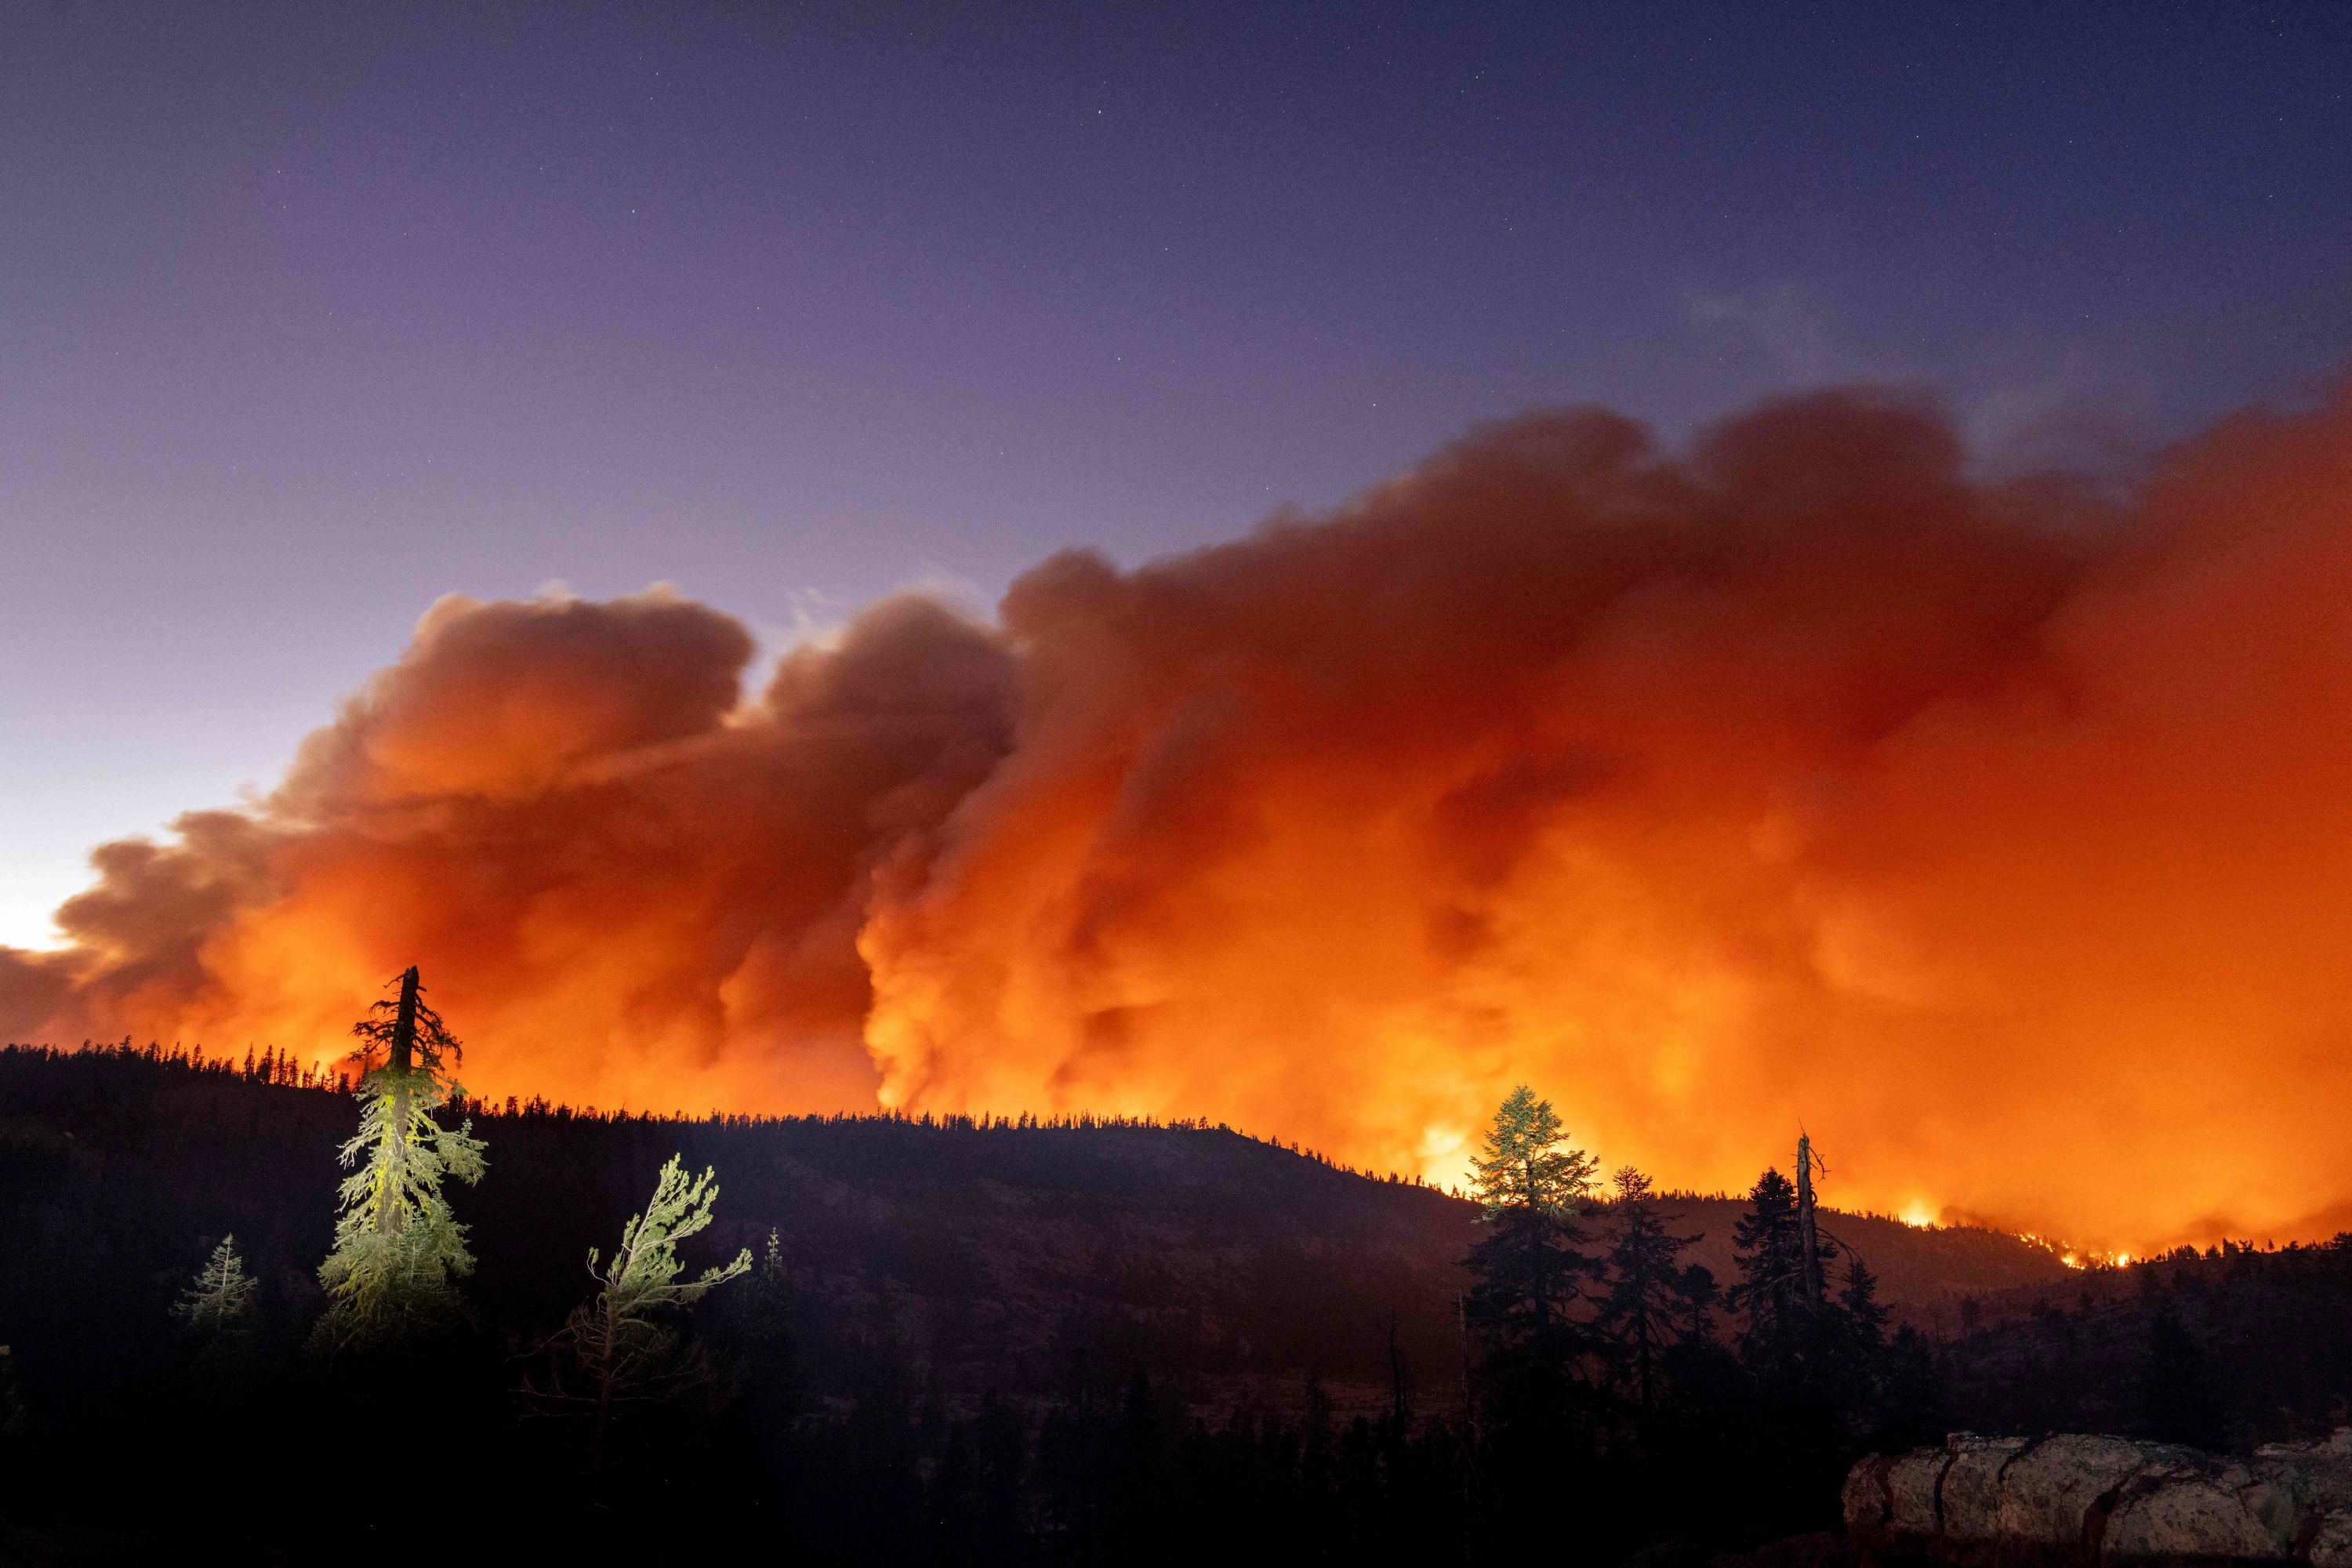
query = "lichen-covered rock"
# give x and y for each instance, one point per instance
(1868, 1509)
(2077, 1499)
(2331, 1541)
(2299, 1485)
(2053, 1493)
(2192, 1510)
(1891, 1498)
(1969, 1496)
(1914, 1488)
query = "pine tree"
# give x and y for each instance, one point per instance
(1770, 1244)
(1647, 1306)
(1530, 1187)
(397, 1245)
(1696, 1296)
(1847, 1342)
(754, 1325)
(1912, 1409)
(220, 1302)
(1858, 1300)
(616, 1349)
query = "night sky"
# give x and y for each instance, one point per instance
(312, 313)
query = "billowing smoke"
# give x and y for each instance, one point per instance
(2001, 837)
(624, 883)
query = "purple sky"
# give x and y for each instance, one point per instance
(313, 313)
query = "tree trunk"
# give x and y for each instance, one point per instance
(604, 1372)
(404, 1028)
(390, 1211)
(1805, 1232)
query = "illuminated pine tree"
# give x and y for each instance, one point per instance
(616, 1350)
(220, 1302)
(1530, 1187)
(397, 1246)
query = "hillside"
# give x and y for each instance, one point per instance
(1027, 1258)
(2271, 1333)
(1084, 1343)
(1924, 1272)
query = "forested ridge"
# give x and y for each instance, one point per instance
(982, 1342)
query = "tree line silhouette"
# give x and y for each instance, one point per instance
(1593, 1392)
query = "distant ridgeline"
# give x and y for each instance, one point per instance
(1007, 1252)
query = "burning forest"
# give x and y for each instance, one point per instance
(1798, 775)
(1091, 786)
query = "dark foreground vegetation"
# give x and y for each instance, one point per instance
(962, 1343)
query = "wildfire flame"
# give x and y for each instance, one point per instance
(1999, 834)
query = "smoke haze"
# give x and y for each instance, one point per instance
(1998, 834)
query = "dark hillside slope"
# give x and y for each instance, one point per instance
(2267, 1334)
(1031, 1259)
(1923, 1271)
(1025, 1259)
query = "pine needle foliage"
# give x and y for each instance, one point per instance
(1526, 1165)
(383, 1032)
(643, 1276)
(220, 1302)
(616, 1350)
(1530, 1186)
(1771, 1287)
(397, 1244)
(1649, 1305)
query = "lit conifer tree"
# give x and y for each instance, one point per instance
(1530, 1187)
(221, 1300)
(397, 1245)
(616, 1349)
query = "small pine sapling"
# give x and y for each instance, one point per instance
(616, 1349)
(397, 1245)
(764, 1346)
(220, 1302)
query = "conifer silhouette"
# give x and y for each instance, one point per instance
(1647, 1306)
(1769, 1241)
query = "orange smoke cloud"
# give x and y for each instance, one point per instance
(2004, 840)
(627, 886)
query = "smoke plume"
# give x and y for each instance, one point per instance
(2000, 836)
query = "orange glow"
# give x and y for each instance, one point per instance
(1998, 836)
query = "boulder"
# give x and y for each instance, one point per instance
(2187, 1508)
(2078, 1500)
(1968, 1501)
(2051, 1493)
(1914, 1484)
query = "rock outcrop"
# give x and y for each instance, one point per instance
(2075, 1500)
